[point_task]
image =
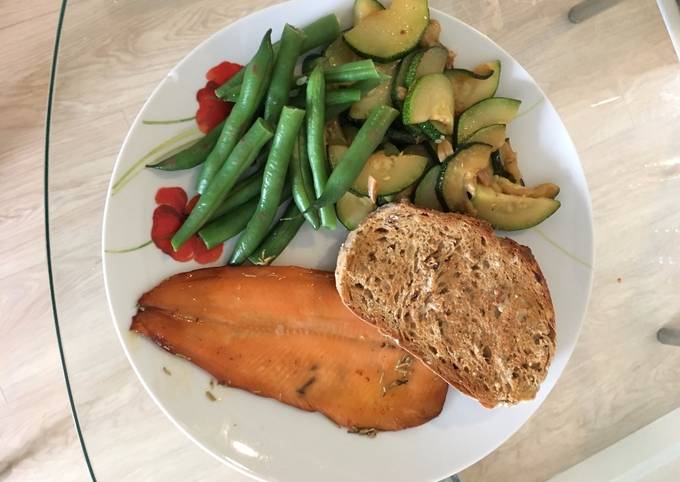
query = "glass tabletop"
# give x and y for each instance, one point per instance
(613, 78)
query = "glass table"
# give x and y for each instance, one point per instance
(613, 78)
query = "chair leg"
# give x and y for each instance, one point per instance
(589, 8)
(668, 336)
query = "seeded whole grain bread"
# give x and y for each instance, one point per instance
(473, 306)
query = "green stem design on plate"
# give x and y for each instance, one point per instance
(138, 166)
(167, 122)
(561, 249)
(127, 250)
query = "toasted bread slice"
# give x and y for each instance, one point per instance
(473, 306)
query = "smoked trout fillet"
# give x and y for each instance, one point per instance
(283, 333)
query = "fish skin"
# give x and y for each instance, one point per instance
(283, 333)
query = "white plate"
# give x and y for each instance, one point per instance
(272, 441)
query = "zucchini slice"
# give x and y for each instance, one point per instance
(352, 209)
(364, 8)
(547, 190)
(335, 134)
(389, 149)
(433, 130)
(508, 212)
(419, 150)
(399, 89)
(424, 62)
(496, 110)
(504, 163)
(472, 86)
(379, 95)
(426, 192)
(393, 198)
(339, 53)
(391, 33)
(335, 153)
(431, 36)
(494, 135)
(458, 172)
(391, 173)
(430, 99)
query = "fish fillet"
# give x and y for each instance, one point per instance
(283, 333)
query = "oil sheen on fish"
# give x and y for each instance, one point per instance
(283, 333)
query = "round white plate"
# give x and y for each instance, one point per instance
(272, 441)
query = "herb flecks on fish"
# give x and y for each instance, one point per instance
(305, 386)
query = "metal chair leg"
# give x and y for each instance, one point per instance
(668, 336)
(589, 8)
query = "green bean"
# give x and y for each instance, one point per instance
(255, 84)
(342, 96)
(320, 32)
(352, 72)
(272, 184)
(303, 189)
(282, 76)
(190, 156)
(243, 192)
(231, 88)
(316, 148)
(240, 158)
(279, 237)
(233, 95)
(352, 162)
(228, 225)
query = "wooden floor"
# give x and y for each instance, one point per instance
(623, 114)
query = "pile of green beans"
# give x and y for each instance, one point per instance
(282, 153)
(243, 154)
(272, 184)
(321, 32)
(255, 83)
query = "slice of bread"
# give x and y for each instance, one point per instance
(473, 306)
